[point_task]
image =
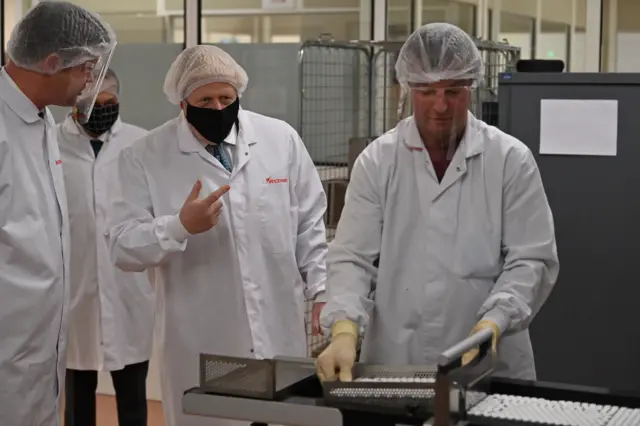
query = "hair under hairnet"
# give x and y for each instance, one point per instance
(200, 65)
(71, 32)
(438, 51)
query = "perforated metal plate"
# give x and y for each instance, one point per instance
(214, 369)
(237, 376)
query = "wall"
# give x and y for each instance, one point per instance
(138, 21)
(626, 27)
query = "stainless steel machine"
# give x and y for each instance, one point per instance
(285, 391)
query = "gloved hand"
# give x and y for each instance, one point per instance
(340, 355)
(315, 318)
(469, 356)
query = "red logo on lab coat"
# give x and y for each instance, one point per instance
(415, 148)
(58, 162)
(280, 180)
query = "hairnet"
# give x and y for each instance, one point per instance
(438, 51)
(111, 83)
(74, 34)
(200, 65)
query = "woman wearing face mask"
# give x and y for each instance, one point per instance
(228, 206)
(111, 312)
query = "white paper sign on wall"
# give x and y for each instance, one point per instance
(278, 4)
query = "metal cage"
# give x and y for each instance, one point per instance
(498, 58)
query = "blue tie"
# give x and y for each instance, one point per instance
(96, 144)
(219, 154)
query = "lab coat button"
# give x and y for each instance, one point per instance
(252, 351)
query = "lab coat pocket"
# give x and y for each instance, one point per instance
(274, 214)
(477, 256)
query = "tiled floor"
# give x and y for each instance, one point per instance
(107, 416)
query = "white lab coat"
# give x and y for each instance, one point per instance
(111, 312)
(239, 288)
(479, 245)
(34, 254)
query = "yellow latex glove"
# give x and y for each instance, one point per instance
(340, 355)
(469, 356)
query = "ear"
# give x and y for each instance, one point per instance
(51, 64)
(183, 107)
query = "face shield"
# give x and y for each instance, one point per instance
(87, 99)
(440, 111)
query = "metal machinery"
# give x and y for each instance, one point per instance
(595, 215)
(349, 96)
(286, 392)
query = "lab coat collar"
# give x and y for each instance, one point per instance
(188, 142)
(73, 128)
(470, 142)
(117, 127)
(17, 100)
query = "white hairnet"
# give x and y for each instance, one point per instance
(438, 51)
(111, 83)
(200, 65)
(55, 27)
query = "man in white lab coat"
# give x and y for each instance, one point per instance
(111, 312)
(55, 54)
(228, 206)
(456, 215)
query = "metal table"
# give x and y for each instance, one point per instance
(294, 411)
(241, 389)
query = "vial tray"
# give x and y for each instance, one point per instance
(396, 389)
(509, 410)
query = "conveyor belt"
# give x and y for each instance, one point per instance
(538, 411)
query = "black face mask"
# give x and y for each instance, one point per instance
(102, 118)
(214, 125)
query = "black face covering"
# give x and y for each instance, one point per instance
(102, 118)
(214, 125)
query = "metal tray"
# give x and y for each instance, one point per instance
(395, 389)
(270, 379)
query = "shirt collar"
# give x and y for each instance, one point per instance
(17, 100)
(232, 137)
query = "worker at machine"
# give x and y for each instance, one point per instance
(111, 312)
(446, 228)
(229, 207)
(56, 53)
